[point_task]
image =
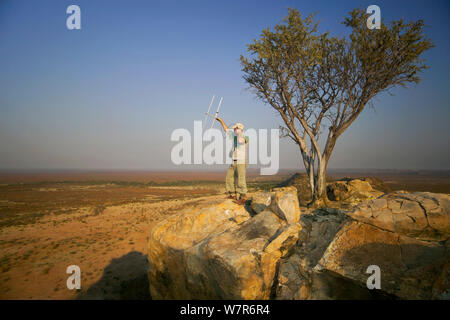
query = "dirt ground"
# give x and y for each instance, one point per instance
(97, 221)
(101, 222)
(108, 246)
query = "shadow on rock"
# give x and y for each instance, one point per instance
(407, 270)
(124, 278)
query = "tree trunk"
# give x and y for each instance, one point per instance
(317, 178)
(319, 197)
(312, 184)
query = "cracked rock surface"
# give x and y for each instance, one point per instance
(421, 215)
(225, 251)
(273, 250)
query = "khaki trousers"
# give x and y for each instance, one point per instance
(235, 181)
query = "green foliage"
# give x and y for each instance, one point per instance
(317, 81)
(391, 55)
(293, 64)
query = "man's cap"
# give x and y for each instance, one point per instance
(239, 126)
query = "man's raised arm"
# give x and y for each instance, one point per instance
(225, 127)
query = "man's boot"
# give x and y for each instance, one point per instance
(241, 200)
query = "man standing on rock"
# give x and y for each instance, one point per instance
(235, 181)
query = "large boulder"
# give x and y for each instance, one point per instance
(270, 251)
(421, 215)
(295, 280)
(409, 268)
(377, 184)
(261, 201)
(300, 181)
(171, 238)
(351, 191)
(222, 251)
(282, 201)
(335, 249)
(348, 191)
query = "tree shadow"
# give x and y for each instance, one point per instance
(125, 278)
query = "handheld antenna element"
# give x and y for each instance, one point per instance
(217, 112)
(207, 114)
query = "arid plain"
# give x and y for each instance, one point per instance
(100, 221)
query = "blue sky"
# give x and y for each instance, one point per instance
(109, 95)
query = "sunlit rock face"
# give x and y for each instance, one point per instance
(351, 191)
(270, 249)
(420, 215)
(406, 235)
(225, 251)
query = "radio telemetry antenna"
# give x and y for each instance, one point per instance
(207, 114)
(217, 112)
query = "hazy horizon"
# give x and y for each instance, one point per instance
(207, 169)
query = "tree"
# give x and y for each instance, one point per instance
(320, 83)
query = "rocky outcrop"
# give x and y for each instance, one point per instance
(300, 181)
(421, 215)
(224, 251)
(409, 268)
(261, 201)
(346, 192)
(376, 184)
(282, 201)
(271, 250)
(351, 191)
(395, 233)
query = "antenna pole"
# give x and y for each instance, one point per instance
(210, 104)
(217, 112)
